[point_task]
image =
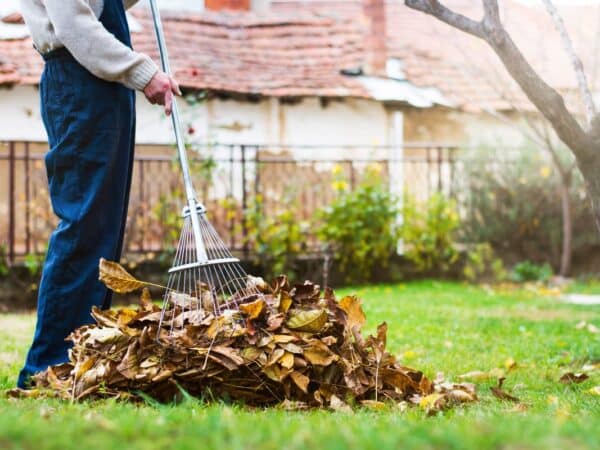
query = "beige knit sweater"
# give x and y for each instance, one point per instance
(74, 24)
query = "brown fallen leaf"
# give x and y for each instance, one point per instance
(116, 278)
(501, 394)
(337, 404)
(355, 315)
(254, 309)
(300, 380)
(571, 377)
(311, 321)
(24, 393)
(478, 375)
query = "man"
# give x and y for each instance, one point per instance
(88, 107)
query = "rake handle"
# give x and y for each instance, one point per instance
(193, 203)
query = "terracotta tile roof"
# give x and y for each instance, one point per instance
(468, 73)
(301, 46)
(274, 55)
(19, 62)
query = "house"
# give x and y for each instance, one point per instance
(314, 80)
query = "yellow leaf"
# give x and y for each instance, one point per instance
(125, 315)
(590, 367)
(251, 353)
(300, 380)
(373, 404)
(283, 338)
(285, 301)
(355, 315)
(311, 321)
(253, 309)
(83, 367)
(476, 375)
(319, 356)
(431, 401)
(275, 356)
(595, 390)
(409, 354)
(510, 364)
(287, 360)
(116, 278)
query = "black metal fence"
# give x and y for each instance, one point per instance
(228, 179)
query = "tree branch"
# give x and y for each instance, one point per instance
(547, 100)
(586, 95)
(492, 13)
(439, 11)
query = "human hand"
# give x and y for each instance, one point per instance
(160, 90)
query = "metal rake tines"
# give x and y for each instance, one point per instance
(198, 285)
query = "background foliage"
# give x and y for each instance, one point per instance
(514, 205)
(360, 226)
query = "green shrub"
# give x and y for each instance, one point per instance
(3, 261)
(429, 232)
(34, 263)
(360, 227)
(528, 271)
(482, 265)
(277, 239)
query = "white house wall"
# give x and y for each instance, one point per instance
(308, 122)
(20, 118)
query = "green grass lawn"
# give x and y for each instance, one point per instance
(433, 326)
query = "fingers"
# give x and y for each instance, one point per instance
(168, 102)
(175, 86)
(160, 91)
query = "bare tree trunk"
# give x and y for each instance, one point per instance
(567, 226)
(590, 170)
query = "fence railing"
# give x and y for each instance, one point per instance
(228, 179)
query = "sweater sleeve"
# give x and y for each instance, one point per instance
(129, 3)
(96, 49)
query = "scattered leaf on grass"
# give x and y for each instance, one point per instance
(595, 390)
(501, 394)
(571, 377)
(590, 367)
(478, 375)
(510, 364)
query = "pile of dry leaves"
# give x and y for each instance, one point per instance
(295, 346)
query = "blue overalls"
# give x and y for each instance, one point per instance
(91, 132)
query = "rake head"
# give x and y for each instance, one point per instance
(205, 277)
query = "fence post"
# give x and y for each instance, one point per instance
(11, 202)
(256, 171)
(440, 161)
(232, 203)
(396, 168)
(451, 163)
(142, 200)
(27, 200)
(244, 202)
